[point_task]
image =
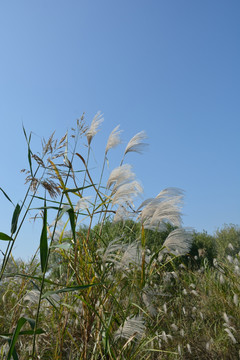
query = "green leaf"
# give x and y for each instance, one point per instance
(15, 218)
(20, 324)
(43, 241)
(25, 332)
(77, 189)
(52, 201)
(5, 237)
(6, 195)
(72, 222)
(67, 289)
(47, 207)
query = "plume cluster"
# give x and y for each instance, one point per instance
(164, 208)
(132, 328)
(123, 256)
(179, 241)
(125, 187)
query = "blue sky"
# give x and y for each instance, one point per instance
(170, 68)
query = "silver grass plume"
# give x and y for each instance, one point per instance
(125, 187)
(93, 130)
(126, 192)
(33, 297)
(178, 242)
(122, 214)
(148, 296)
(65, 157)
(165, 207)
(131, 328)
(136, 144)
(230, 334)
(111, 254)
(123, 256)
(131, 257)
(114, 139)
(120, 175)
(83, 203)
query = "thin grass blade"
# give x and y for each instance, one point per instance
(77, 189)
(6, 195)
(29, 150)
(67, 289)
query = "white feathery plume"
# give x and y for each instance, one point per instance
(235, 299)
(164, 208)
(166, 211)
(226, 318)
(165, 336)
(182, 332)
(230, 334)
(194, 292)
(174, 327)
(136, 144)
(122, 214)
(165, 308)
(131, 256)
(32, 296)
(170, 192)
(111, 254)
(125, 186)
(123, 256)
(166, 194)
(126, 192)
(114, 139)
(189, 348)
(179, 241)
(179, 349)
(132, 327)
(157, 213)
(82, 203)
(120, 175)
(148, 297)
(93, 130)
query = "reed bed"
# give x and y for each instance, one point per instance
(97, 288)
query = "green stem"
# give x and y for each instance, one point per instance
(11, 243)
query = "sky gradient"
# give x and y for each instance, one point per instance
(170, 68)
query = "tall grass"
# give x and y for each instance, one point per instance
(89, 294)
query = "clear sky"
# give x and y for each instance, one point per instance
(170, 68)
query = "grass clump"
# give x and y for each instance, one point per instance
(111, 280)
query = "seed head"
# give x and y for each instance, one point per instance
(93, 130)
(136, 144)
(114, 139)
